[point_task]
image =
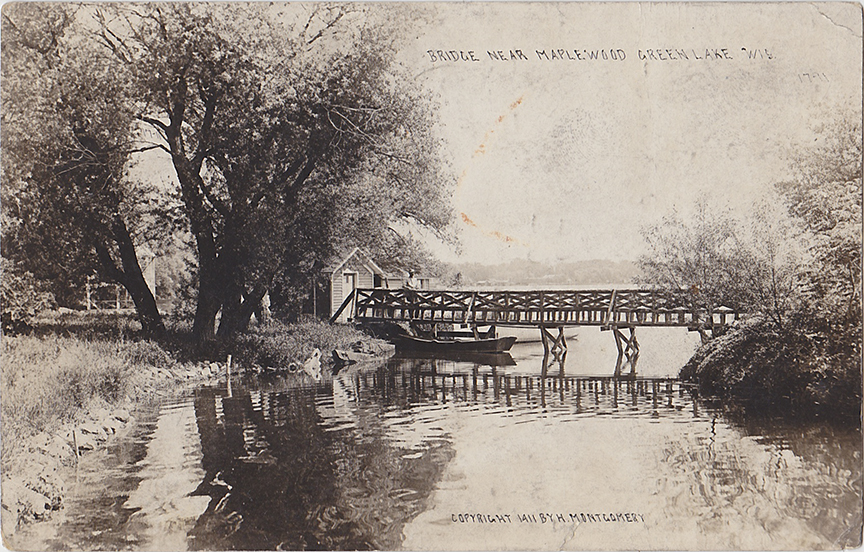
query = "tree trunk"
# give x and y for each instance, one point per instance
(210, 300)
(210, 292)
(262, 310)
(142, 295)
(231, 308)
(252, 305)
(236, 317)
(129, 275)
(204, 325)
(210, 281)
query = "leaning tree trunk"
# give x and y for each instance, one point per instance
(142, 295)
(251, 305)
(130, 276)
(238, 309)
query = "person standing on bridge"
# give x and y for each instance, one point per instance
(411, 282)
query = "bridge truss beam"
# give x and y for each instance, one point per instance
(628, 348)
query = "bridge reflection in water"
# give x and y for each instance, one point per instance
(352, 462)
(380, 458)
(407, 380)
(345, 463)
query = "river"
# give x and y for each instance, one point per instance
(429, 453)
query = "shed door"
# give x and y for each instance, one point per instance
(349, 284)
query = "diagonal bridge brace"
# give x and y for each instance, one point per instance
(551, 343)
(628, 347)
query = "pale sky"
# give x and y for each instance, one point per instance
(567, 160)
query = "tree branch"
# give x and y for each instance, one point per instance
(148, 148)
(351, 123)
(303, 175)
(325, 29)
(217, 203)
(156, 123)
(279, 181)
(204, 132)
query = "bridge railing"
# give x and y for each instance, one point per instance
(546, 307)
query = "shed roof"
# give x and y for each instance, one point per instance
(360, 254)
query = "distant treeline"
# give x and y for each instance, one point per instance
(521, 272)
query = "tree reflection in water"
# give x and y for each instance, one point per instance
(281, 477)
(346, 464)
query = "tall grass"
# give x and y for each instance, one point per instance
(73, 364)
(48, 381)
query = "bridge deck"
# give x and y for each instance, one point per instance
(604, 308)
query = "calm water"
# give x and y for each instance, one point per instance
(443, 454)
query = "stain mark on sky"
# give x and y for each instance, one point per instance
(481, 150)
(491, 233)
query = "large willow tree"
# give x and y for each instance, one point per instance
(274, 118)
(289, 130)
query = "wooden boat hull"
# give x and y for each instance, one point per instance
(491, 345)
(483, 359)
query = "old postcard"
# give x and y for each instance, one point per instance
(431, 276)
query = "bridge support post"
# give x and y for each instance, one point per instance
(628, 347)
(551, 343)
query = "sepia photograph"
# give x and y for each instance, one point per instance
(431, 276)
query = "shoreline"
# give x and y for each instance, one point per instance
(759, 371)
(38, 465)
(36, 487)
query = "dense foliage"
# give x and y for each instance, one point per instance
(797, 273)
(289, 131)
(67, 135)
(23, 297)
(793, 373)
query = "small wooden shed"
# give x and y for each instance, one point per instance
(356, 270)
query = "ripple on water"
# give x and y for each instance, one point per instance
(382, 458)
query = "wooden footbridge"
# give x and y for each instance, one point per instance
(609, 309)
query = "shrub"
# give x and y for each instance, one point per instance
(277, 344)
(797, 372)
(21, 299)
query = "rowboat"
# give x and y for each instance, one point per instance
(483, 345)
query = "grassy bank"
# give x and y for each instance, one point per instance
(796, 372)
(276, 345)
(52, 381)
(63, 395)
(76, 378)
